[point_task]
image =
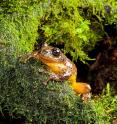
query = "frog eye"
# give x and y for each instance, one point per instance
(56, 52)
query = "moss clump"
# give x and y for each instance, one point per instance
(19, 22)
(77, 25)
(23, 93)
(105, 107)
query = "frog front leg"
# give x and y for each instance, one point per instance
(26, 57)
(52, 77)
(58, 77)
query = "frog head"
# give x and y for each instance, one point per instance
(49, 54)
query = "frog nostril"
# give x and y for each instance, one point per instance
(44, 52)
(56, 52)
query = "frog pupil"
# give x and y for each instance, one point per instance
(56, 52)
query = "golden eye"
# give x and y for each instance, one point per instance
(56, 52)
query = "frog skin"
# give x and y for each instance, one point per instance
(60, 67)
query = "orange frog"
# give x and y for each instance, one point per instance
(61, 67)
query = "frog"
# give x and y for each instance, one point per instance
(61, 68)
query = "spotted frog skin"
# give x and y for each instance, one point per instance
(60, 67)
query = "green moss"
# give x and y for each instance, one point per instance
(78, 25)
(18, 25)
(105, 108)
(24, 94)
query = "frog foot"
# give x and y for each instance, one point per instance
(24, 58)
(86, 97)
